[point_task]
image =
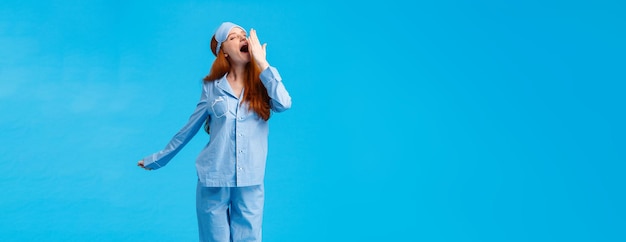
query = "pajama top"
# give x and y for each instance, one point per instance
(237, 150)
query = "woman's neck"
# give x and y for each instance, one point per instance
(235, 79)
(236, 74)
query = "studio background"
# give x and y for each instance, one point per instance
(411, 121)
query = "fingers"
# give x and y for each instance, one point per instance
(140, 164)
(257, 51)
(253, 40)
(253, 36)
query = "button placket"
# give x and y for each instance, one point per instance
(240, 148)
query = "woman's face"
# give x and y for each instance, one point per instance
(236, 47)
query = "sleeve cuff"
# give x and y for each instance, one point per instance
(150, 163)
(270, 74)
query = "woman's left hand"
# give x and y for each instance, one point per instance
(141, 164)
(257, 51)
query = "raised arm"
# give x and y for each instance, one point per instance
(270, 77)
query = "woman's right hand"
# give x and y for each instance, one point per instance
(140, 164)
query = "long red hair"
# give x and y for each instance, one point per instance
(255, 93)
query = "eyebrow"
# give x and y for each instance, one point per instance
(242, 32)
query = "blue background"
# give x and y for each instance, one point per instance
(437, 121)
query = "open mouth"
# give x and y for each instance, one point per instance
(244, 48)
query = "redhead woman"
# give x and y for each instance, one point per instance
(237, 98)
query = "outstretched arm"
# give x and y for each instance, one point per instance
(184, 135)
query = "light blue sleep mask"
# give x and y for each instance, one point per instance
(222, 33)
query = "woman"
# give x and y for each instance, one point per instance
(236, 100)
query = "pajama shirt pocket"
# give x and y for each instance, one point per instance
(219, 106)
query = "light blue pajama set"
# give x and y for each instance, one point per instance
(231, 167)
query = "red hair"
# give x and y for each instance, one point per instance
(255, 93)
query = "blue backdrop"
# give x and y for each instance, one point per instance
(411, 121)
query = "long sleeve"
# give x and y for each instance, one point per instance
(184, 135)
(272, 81)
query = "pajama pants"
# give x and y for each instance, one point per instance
(229, 213)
